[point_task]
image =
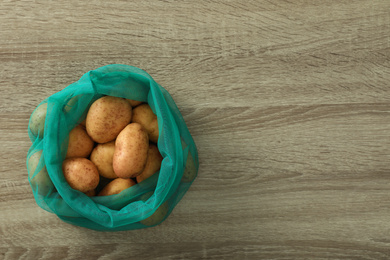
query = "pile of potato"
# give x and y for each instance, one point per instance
(117, 141)
(114, 148)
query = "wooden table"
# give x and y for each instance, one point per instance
(288, 103)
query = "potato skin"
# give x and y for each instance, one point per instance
(37, 120)
(81, 174)
(106, 117)
(189, 173)
(71, 104)
(153, 163)
(134, 103)
(158, 215)
(131, 151)
(40, 180)
(116, 186)
(144, 115)
(80, 143)
(102, 156)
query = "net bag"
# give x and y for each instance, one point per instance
(145, 204)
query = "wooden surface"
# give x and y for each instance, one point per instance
(288, 102)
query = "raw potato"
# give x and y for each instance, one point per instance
(80, 144)
(40, 180)
(190, 170)
(158, 215)
(131, 151)
(37, 121)
(116, 186)
(106, 117)
(144, 115)
(71, 103)
(102, 156)
(153, 163)
(134, 103)
(81, 174)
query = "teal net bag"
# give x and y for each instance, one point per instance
(145, 204)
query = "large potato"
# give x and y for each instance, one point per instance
(40, 181)
(153, 163)
(80, 144)
(116, 186)
(144, 116)
(131, 151)
(134, 103)
(106, 117)
(81, 174)
(158, 215)
(102, 156)
(37, 120)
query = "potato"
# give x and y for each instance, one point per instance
(37, 120)
(116, 186)
(106, 117)
(190, 169)
(153, 163)
(81, 174)
(39, 181)
(102, 156)
(158, 215)
(144, 115)
(131, 151)
(90, 193)
(134, 103)
(80, 144)
(71, 103)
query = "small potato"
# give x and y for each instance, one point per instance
(40, 181)
(158, 215)
(80, 144)
(71, 103)
(131, 151)
(106, 117)
(153, 163)
(102, 156)
(37, 120)
(144, 116)
(134, 103)
(116, 186)
(81, 174)
(190, 169)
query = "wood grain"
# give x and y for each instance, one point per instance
(288, 103)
